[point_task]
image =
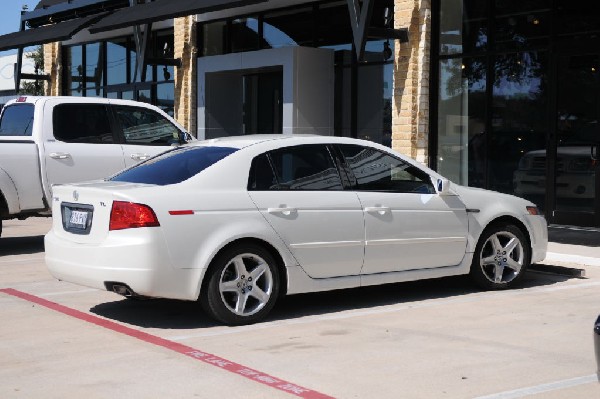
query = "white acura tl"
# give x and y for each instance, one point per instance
(238, 222)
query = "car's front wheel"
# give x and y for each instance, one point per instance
(242, 285)
(501, 257)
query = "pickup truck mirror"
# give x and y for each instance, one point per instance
(442, 186)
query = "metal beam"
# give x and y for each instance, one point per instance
(359, 20)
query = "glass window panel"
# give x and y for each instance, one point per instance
(213, 38)
(504, 7)
(261, 177)
(144, 126)
(94, 66)
(289, 28)
(461, 120)
(519, 126)
(377, 171)
(17, 120)
(75, 72)
(116, 59)
(463, 26)
(334, 26)
(82, 123)
(244, 35)
(518, 32)
(165, 98)
(305, 167)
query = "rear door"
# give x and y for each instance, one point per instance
(300, 193)
(80, 142)
(145, 132)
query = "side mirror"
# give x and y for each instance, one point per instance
(442, 186)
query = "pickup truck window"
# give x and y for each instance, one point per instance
(82, 123)
(17, 120)
(144, 126)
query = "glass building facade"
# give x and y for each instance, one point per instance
(516, 106)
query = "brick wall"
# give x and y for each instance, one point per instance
(410, 107)
(53, 67)
(186, 85)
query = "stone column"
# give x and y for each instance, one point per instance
(410, 107)
(186, 85)
(53, 67)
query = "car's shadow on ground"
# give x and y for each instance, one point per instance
(21, 245)
(172, 314)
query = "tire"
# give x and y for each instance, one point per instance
(242, 285)
(501, 257)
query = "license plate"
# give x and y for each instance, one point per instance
(78, 219)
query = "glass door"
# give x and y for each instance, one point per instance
(578, 140)
(263, 103)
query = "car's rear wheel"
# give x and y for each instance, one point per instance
(242, 285)
(501, 257)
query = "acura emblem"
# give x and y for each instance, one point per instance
(75, 195)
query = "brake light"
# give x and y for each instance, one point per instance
(128, 215)
(21, 99)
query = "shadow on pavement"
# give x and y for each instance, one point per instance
(21, 245)
(172, 314)
(574, 235)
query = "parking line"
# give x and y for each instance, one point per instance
(552, 386)
(196, 354)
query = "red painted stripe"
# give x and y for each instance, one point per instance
(202, 356)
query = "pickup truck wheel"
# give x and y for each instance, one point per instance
(501, 257)
(242, 285)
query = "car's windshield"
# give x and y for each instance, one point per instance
(174, 166)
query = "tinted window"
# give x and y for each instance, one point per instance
(144, 126)
(305, 167)
(261, 175)
(174, 166)
(377, 171)
(17, 120)
(82, 123)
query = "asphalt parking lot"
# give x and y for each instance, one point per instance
(430, 339)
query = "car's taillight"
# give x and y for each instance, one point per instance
(128, 215)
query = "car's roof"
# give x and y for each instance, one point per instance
(249, 140)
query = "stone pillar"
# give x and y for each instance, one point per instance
(186, 85)
(410, 107)
(53, 67)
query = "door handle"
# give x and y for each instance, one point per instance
(59, 155)
(139, 157)
(382, 210)
(284, 211)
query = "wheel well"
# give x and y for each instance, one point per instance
(514, 221)
(278, 259)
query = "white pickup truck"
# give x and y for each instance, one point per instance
(52, 140)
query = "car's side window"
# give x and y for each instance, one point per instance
(82, 123)
(17, 120)
(262, 177)
(305, 167)
(377, 171)
(146, 127)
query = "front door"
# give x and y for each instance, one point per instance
(577, 140)
(263, 110)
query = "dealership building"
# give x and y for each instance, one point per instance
(497, 94)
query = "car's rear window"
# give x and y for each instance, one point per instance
(174, 166)
(17, 120)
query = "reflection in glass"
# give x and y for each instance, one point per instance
(116, 59)
(520, 123)
(283, 28)
(516, 32)
(165, 97)
(244, 35)
(461, 120)
(74, 61)
(213, 38)
(463, 26)
(94, 69)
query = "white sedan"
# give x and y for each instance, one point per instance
(238, 222)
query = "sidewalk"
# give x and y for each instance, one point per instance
(573, 245)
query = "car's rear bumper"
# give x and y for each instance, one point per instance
(142, 264)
